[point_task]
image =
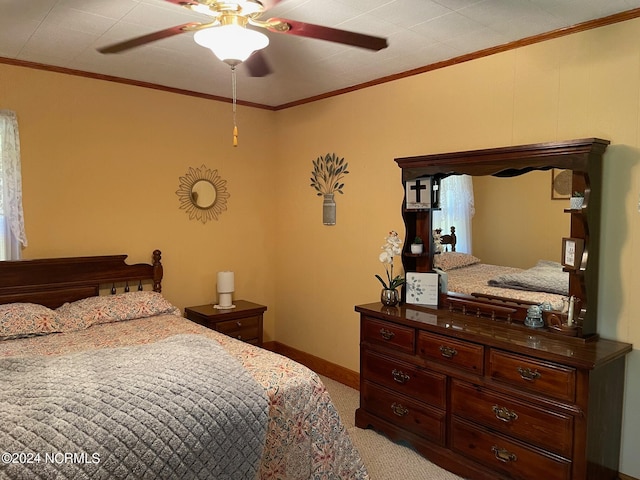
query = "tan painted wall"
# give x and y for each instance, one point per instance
(584, 85)
(516, 222)
(101, 164)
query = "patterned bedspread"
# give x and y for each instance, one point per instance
(176, 409)
(475, 278)
(306, 438)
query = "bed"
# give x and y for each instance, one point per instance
(544, 282)
(122, 386)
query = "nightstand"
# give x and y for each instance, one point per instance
(243, 322)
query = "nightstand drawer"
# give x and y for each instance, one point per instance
(554, 380)
(515, 459)
(466, 355)
(405, 412)
(244, 322)
(404, 378)
(542, 427)
(242, 328)
(389, 334)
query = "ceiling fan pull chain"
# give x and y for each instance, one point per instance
(233, 90)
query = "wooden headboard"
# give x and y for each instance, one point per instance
(54, 281)
(449, 239)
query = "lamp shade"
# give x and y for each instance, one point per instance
(225, 282)
(231, 43)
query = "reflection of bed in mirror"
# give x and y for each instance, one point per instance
(544, 282)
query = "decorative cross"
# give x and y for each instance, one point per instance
(418, 187)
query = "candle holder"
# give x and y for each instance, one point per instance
(558, 323)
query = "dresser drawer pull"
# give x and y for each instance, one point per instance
(399, 376)
(503, 454)
(504, 414)
(239, 323)
(528, 374)
(399, 409)
(387, 334)
(448, 352)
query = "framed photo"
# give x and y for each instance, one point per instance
(572, 249)
(561, 181)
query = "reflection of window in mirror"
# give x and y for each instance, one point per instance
(457, 207)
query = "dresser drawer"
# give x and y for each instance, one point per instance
(549, 430)
(541, 377)
(451, 351)
(405, 378)
(404, 412)
(392, 335)
(515, 459)
(242, 328)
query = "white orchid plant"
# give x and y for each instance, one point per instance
(391, 248)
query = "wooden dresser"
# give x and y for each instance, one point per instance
(491, 400)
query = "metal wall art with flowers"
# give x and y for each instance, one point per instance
(326, 179)
(392, 247)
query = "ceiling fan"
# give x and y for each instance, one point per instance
(231, 41)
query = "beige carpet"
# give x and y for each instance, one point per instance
(384, 459)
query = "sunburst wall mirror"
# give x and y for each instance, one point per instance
(203, 194)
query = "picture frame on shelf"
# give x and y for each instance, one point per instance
(572, 249)
(418, 193)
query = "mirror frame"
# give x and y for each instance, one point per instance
(185, 194)
(583, 157)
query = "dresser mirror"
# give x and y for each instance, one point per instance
(509, 236)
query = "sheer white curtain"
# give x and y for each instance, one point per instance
(456, 209)
(12, 234)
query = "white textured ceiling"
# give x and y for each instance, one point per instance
(66, 33)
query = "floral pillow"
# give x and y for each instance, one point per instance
(114, 308)
(451, 260)
(19, 320)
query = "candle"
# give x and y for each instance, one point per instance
(225, 282)
(570, 312)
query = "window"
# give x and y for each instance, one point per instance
(12, 234)
(456, 209)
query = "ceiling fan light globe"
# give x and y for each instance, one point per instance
(231, 43)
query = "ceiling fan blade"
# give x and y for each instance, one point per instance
(257, 65)
(327, 33)
(183, 3)
(151, 37)
(268, 3)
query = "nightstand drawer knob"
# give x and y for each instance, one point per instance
(239, 323)
(239, 337)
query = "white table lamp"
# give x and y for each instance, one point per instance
(225, 290)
